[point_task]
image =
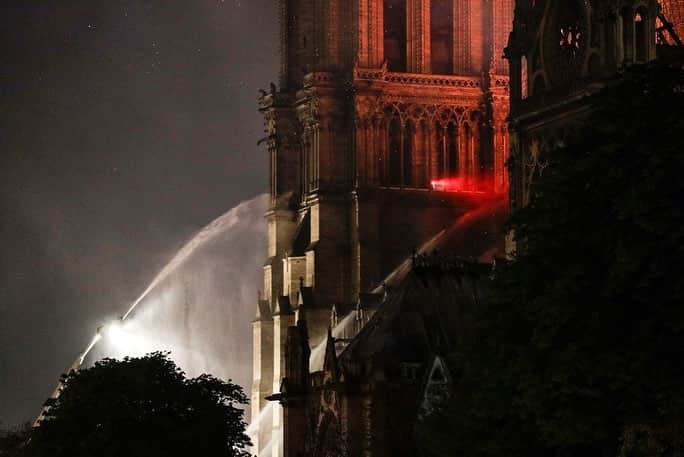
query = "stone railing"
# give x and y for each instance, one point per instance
(417, 78)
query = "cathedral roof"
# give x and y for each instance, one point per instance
(420, 318)
(415, 311)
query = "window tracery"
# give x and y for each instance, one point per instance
(570, 39)
(422, 145)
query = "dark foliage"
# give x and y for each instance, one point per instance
(580, 348)
(13, 441)
(142, 407)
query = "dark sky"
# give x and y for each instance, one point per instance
(125, 126)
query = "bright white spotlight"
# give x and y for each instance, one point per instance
(112, 331)
(122, 339)
(115, 332)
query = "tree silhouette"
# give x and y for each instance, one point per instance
(142, 407)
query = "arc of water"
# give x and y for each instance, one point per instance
(208, 233)
(217, 226)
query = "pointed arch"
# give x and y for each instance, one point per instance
(524, 76)
(641, 34)
(627, 22)
(408, 146)
(394, 152)
(440, 147)
(422, 154)
(466, 150)
(452, 160)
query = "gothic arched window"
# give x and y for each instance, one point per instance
(395, 34)
(524, 76)
(641, 35)
(452, 150)
(468, 155)
(627, 18)
(394, 153)
(421, 155)
(439, 150)
(442, 36)
(407, 168)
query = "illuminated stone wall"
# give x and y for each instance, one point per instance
(674, 12)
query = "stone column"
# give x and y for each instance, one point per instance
(315, 172)
(627, 36)
(462, 37)
(384, 133)
(373, 152)
(463, 149)
(370, 33)
(306, 161)
(418, 36)
(428, 152)
(283, 23)
(281, 322)
(423, 156)
(262, 375)
(651, 32)
(402, 172)
(500, 155)
(609, 36)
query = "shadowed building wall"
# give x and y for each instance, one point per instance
(552, 79)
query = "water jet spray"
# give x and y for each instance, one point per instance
(212, 327)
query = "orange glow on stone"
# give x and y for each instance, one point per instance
(461, 184)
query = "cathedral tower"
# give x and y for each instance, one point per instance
(387, 122)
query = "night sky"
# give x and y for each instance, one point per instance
(125, 126)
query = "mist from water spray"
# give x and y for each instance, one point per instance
(344, 330)
(200, 305)
(266, 413)
(216, 227)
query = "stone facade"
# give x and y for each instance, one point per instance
(388, 124)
